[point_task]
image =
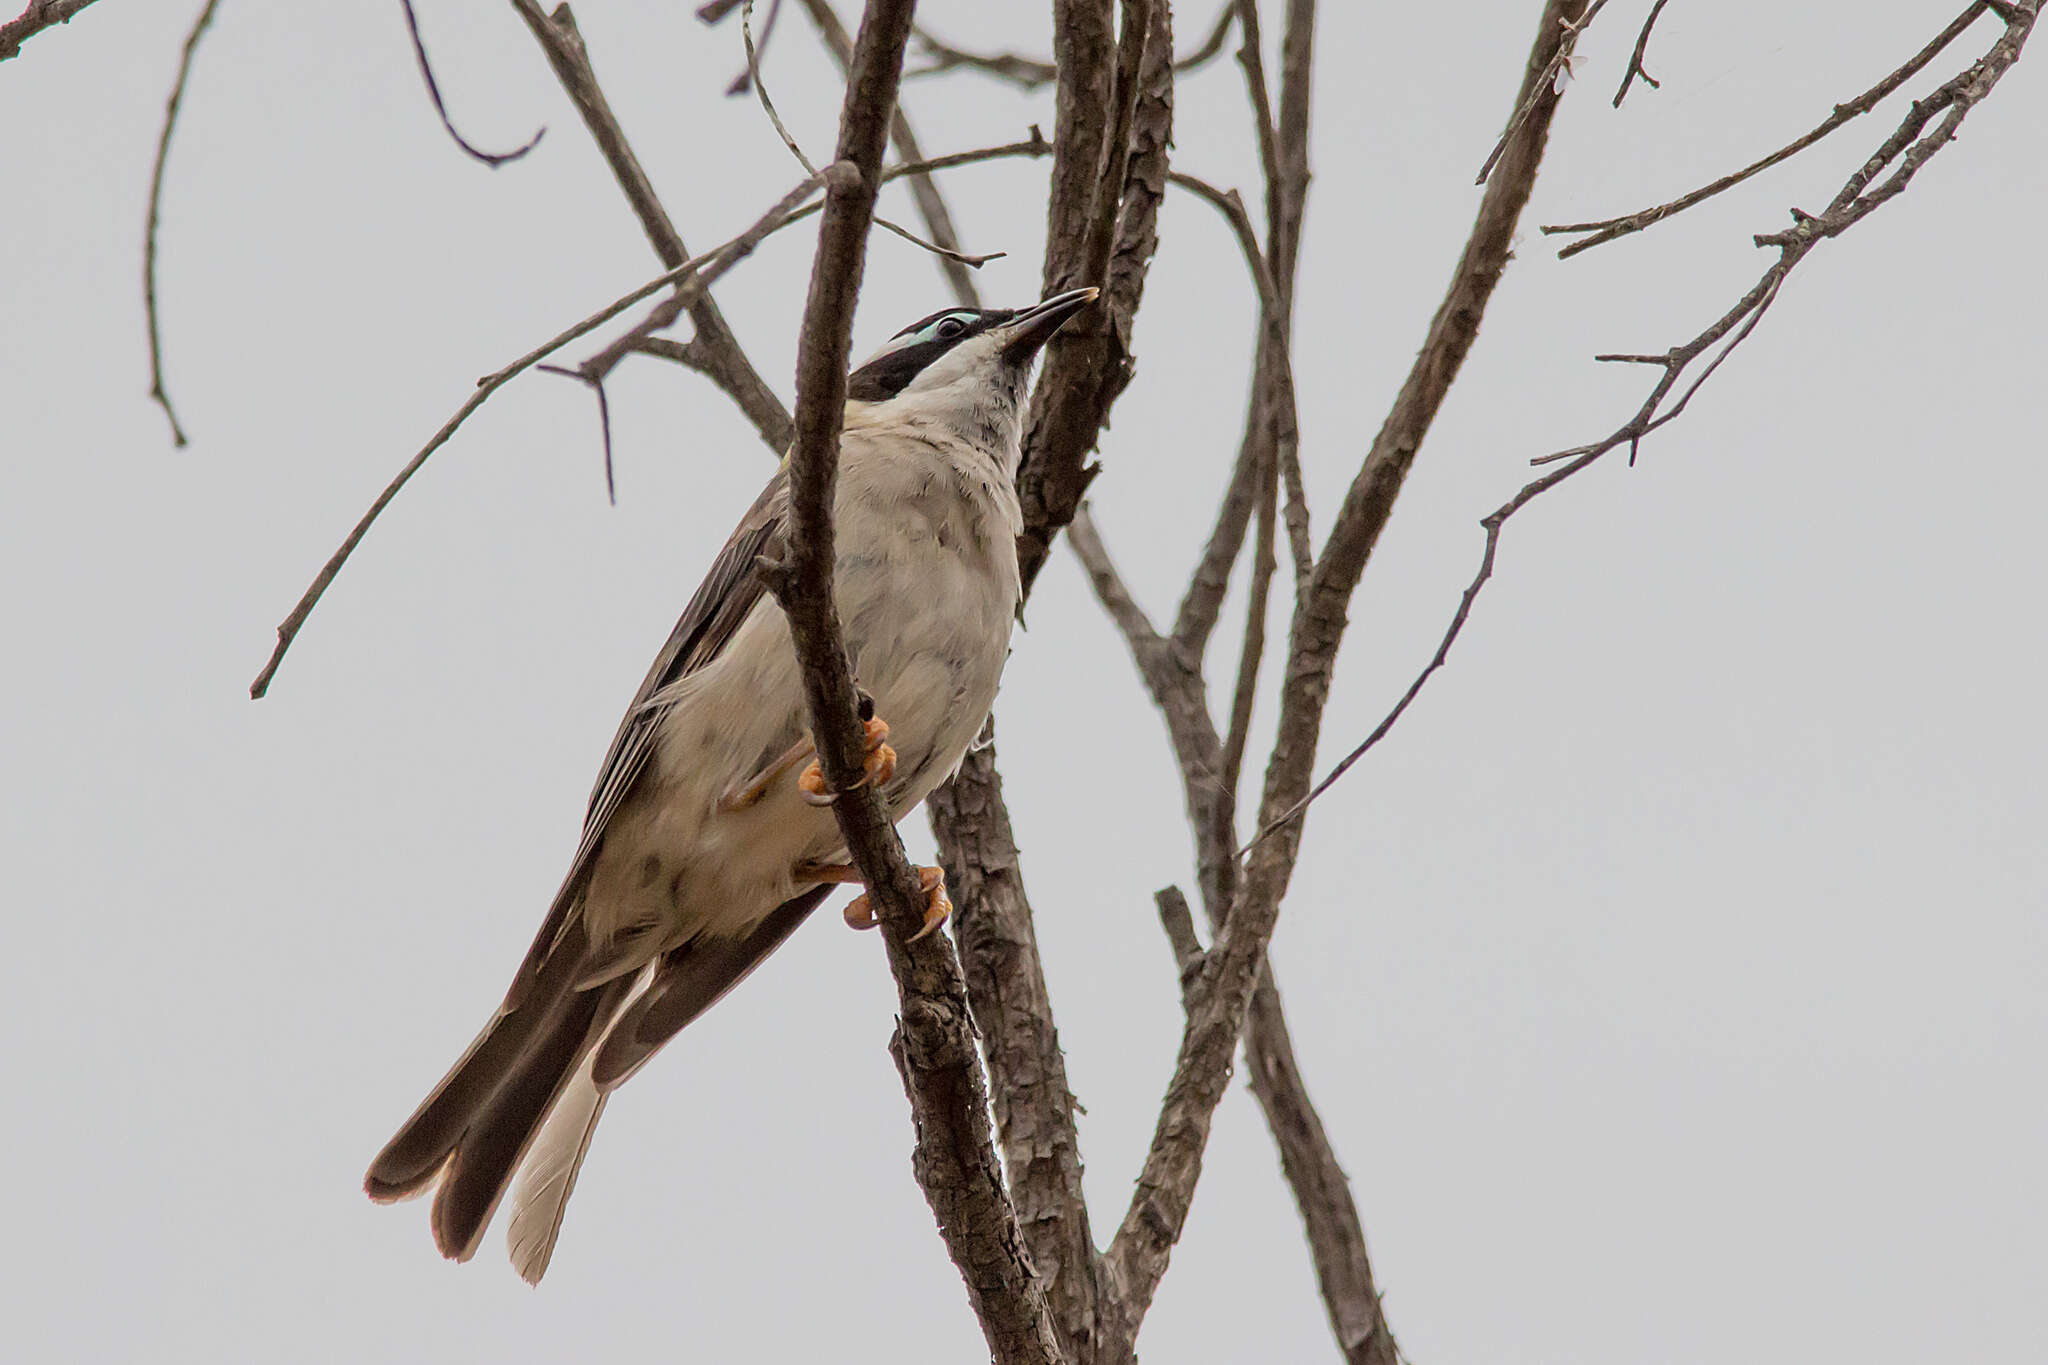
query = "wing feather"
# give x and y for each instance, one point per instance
(731, 589)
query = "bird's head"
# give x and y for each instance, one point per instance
(966, 367)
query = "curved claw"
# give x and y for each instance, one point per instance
(938, 906)
(879, 765)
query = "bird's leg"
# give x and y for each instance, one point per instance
(860, 911)
(739, 798)
(879, 766)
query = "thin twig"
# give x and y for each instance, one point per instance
(604, 421)
(746, 77)
(1608, 229)
(419, 49)
(1635, 60)
(157, 390)
(1159, 1206)
(924, 191)
(1911, 144)
(1549, 86)
(694, 276)
(727, 365)
(1273, 314)
(695, 353)
(1029, 73)
(781, 130)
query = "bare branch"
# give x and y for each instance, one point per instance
(711, 264)
(157, 390)
(695, 353)
(1034, 1106)
(39, 15)
(1911, 144)
(1322, 1193)
(1222, 997)
(1635, 59)
(931, 205)
(1089, 362)
(1029, 73)
(604, 420)
(1549, 87)
(934, 1048)
(1075, 391)
(729, 368)
(419, 49)
(947, 253)
(1251, 655)
(1607, 229)
(1279, 364)
(749, 76)
(1201, 606)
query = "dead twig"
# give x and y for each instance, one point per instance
(419, 49)
(693, 276)
(949, 253)
(157, 390)
(1911, 144)
(1235, 963)
(1608, 229)
(1556, 74)
(695, 354)
(924, 191)
(1635, 58)
(726, 363)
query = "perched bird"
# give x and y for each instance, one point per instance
(705, 846)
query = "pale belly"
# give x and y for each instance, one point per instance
(675, 864)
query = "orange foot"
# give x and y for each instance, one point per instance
(860, 911)
(879, 767)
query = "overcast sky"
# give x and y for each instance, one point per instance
(1671, 980)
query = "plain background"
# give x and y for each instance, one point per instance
(1671, 980)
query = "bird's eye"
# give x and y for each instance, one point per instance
(950, 328)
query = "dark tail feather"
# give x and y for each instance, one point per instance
(689, 980)
(488, 1152)
(412, 1159)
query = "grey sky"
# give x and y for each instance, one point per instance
(1671, 981)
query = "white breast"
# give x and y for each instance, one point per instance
(927, 588)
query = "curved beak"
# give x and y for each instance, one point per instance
(1033, 327)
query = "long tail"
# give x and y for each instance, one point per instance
(547, 1177)
(470, 1134)
(527, 1095)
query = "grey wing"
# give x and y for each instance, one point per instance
(731, 589)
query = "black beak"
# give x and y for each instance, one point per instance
(1033, 327)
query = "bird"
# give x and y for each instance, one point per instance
(708, 838)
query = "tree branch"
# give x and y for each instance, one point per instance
(1005, 976)
(1607, 229)
(931, 205)
(1635, 59)
(39, 15)
(934, 1049)
(1911, 144)
(1221, 998)
(1089, 363)
(695, 353)
(1029, 73)
(732, 371)
(692, 277)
